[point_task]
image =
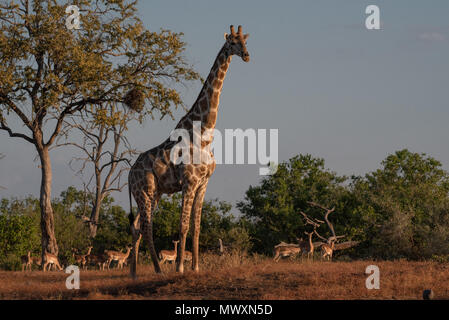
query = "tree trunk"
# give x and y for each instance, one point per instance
(99, 196)
(95, 216)
(48, 239)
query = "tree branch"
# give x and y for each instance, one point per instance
(12, 134)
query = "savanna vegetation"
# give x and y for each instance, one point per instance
(229, 277)
(61, 89)
(396, 212)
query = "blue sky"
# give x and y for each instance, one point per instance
(332, 88)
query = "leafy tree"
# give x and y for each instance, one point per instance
(16, 234)
(113, 231)
(70, 231)
(216, 222)
(403, 207)
(49, 73)
(272, 208)
(19, 231)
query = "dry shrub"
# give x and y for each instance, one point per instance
(238, 276)
(233, 258)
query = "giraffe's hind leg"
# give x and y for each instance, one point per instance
(147, 197)
(146, 218)
(143, 188)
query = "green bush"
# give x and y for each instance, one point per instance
(11, 262)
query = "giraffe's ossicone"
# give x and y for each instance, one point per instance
(154, 174)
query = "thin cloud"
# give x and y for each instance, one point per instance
(432, 36)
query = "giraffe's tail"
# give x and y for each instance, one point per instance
(131, 215)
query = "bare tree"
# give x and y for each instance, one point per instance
(105, 154)
(330, 243)
(334, 237)
(315, 223)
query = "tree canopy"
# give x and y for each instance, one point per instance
(49, 73)
(398, 211)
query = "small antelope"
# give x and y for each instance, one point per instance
(170, 255)
(118, 256)
(123, 259)
(283, 250)
(27, 261)
(222, 248)
(308, 246)
(327, 250)
(81, 259)
(98, 260)
(36, 260)
(51, 259)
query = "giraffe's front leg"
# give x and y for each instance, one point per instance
(188, 195)
(197, 208)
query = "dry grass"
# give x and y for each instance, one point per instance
(238, 277)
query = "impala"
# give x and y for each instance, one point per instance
(81, 259)
(26, 261)
(118, 256)
(169, 255)
(283, 250)
(51, 259)
(327, 250)
(307, 246)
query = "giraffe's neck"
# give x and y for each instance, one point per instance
(205, 107)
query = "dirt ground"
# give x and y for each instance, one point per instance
(238, 278)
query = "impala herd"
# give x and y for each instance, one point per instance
(282, 250)
(101, 261)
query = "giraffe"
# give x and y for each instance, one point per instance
(154, 174)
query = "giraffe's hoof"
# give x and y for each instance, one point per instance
(428, 294)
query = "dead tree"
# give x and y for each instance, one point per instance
(104, 150)
(328, 247)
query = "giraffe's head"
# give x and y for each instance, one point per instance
(236, 42)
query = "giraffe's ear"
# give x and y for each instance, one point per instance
(246, 36)
(226, 36)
